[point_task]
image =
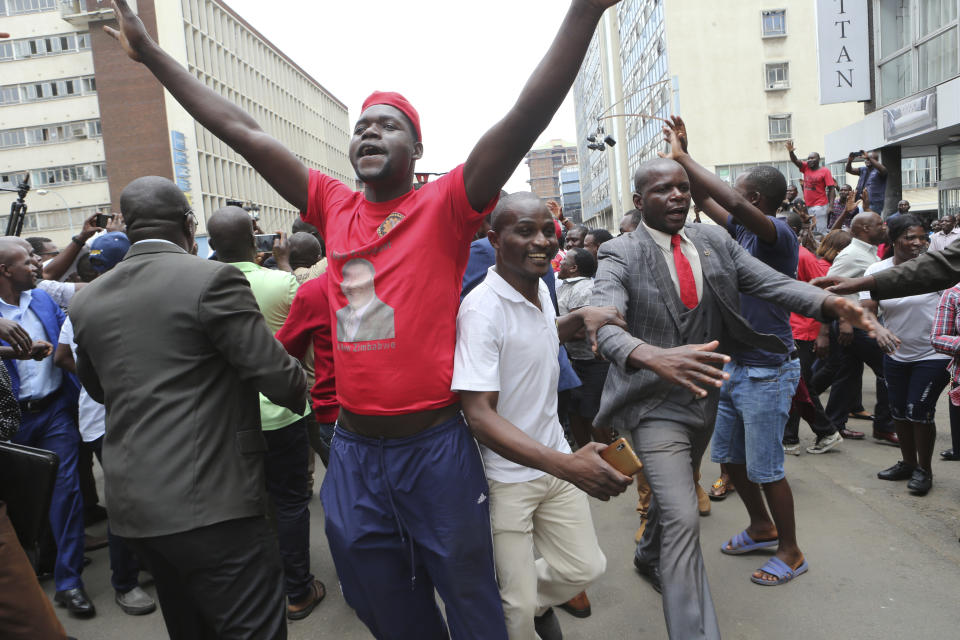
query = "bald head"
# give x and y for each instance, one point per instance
(231, 235)
(17, 269)
(652, 168)
(154, 207)
(304, 250)
(509, 206)
(868, 227)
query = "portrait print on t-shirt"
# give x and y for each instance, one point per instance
(365, 317)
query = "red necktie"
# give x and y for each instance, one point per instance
(688, 286)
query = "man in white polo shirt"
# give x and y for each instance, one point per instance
(505, 367)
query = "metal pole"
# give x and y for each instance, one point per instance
(44, 192)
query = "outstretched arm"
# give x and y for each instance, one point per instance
(497, 154)
(793, 157)
(711, 192)
(854, 171)
(272, 160)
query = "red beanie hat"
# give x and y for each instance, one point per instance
(396, 101)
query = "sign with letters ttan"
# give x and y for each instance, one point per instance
(843, 49)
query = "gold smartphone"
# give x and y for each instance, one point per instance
(619, 455)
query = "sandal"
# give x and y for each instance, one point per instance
(779, 570)
(720, 488)
(743, 543)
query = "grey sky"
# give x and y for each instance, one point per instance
(461, 64)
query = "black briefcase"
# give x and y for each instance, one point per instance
(27, 477)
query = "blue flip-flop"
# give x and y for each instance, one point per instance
(779, 569)
(743, 543)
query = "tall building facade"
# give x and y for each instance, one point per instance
(914, 113)
(84, 120)
(545, 163)
(741, 74)
(569, 182)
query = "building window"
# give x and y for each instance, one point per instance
(777, 75)
(918, 45)
(12, 138)
(774, 23)
(47, 90)
(16, 7)
(919, 173)
(779, 127)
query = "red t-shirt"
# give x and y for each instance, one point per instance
(309, 322)
(815, 185)
(808, 268)
(393, 342)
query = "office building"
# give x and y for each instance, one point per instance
(914, 113)
(84, 120)
(743, 75)
(545, 163)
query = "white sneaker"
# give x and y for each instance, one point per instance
(826, 443)
(792, 449)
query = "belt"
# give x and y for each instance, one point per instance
(390, 427)
(37, 405)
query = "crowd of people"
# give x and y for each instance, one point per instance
(207, 387)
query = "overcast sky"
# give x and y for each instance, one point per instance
(461, 64)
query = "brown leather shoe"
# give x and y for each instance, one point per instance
(578, 606)
(303, 608)
(703, 501)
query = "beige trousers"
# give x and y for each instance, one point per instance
(552, 516)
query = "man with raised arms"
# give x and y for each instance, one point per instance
(405, 494)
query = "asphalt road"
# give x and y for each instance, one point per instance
(883, 564)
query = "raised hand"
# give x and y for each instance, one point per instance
(600, 4)
(554, 208)
(687, 366)
(131, 34)
(672, 137)
(116, 223)
(789, 145)
(681, 129)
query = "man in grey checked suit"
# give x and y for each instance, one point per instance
(663, 387)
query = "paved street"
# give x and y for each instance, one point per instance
(883, 563)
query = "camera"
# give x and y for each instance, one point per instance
(265, 242)
(102, 219)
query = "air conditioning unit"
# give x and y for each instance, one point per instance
(79, 132)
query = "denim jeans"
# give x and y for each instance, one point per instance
(754, 406)
(914, 387)
(287, 485)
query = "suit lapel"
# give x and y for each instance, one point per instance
(661, 275)
(708, 263)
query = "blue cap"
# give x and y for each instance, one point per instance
(108, 250)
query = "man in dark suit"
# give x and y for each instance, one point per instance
(678, 287)
(176, 348)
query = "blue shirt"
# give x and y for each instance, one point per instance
(37, 379)
(766, 317)
(875, 185)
